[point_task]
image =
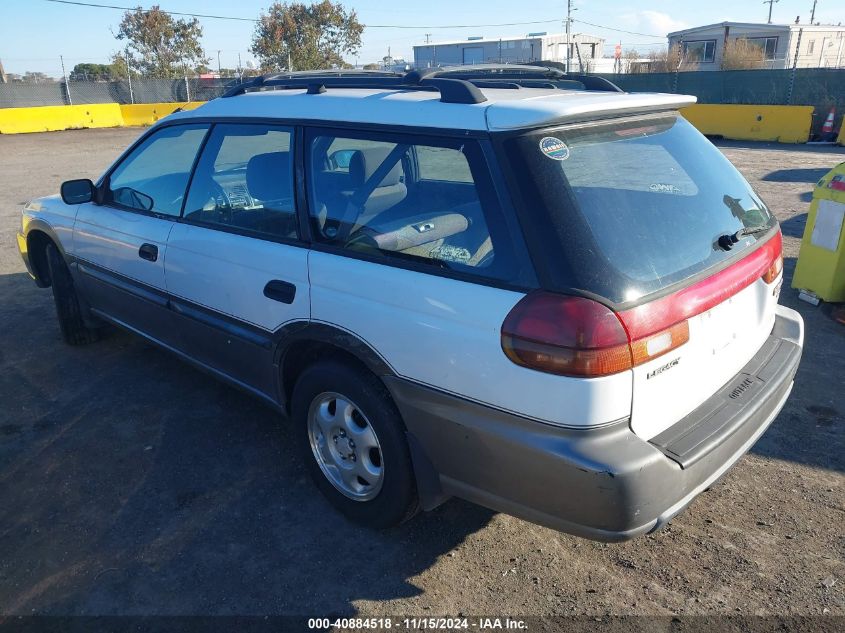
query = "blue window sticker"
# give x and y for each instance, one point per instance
(554, 148)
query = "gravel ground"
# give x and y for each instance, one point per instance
(132, 484)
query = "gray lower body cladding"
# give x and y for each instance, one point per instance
(606, 484)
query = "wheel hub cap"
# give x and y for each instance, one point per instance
(345, 446)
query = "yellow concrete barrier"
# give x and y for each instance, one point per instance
(149, 113)
(784, 124)
(841, 139)
(51, 118)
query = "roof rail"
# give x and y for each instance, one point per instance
(526, 72)
(256, 83)
(456, 84)
(316, 82)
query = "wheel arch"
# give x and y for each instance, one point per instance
(38, 236)
(306, 343)
(310, 342)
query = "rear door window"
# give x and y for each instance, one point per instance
(403, 199)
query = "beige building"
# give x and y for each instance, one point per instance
(820, 46)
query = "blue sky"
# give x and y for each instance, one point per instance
(33, 33)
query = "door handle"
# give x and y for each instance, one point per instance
(148, 252)
(280, 291)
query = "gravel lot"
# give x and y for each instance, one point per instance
(132, 484)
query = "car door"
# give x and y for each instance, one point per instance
(120, 245)
(236, 269)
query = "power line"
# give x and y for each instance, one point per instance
(240, 19)
(608, 28)
(192, 15)
(369, 26)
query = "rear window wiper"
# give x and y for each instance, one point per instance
(727, 241)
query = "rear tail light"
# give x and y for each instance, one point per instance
(576, 336)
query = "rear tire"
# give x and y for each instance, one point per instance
(334, 403)
(68, 309)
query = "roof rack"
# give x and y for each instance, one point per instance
(315, 82)
(456, 84)
(525, 74)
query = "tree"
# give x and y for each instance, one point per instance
(36, 77)
(118, 68)
(740, 54)
(310, 36)
(629, 61)
(160, 45)
(669, 61)
(91, 72)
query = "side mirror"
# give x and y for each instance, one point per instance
(77, 191)
(341, 158)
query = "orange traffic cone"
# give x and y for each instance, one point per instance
(827, 128)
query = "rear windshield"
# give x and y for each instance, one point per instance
(638, 204)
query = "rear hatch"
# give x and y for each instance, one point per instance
(646, 216)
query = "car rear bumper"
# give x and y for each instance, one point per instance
(607, 483)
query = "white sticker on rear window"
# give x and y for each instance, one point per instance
(554, 148)
(659, 187)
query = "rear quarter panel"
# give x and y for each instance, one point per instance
(446, 334)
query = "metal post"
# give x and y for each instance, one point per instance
(568, 31)
(678, 65)
(187, 85)
(794, 68)
(64, 77)
(129, 75)
(813, 12)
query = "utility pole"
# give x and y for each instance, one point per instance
(771, 4)
(813, 12)
(3, 78)
(219, 70)
(568, 32)
(428, 38)
(240, 69)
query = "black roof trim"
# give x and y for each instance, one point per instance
(456, 84)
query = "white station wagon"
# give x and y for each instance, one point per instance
(507, 284)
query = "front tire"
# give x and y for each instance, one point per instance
(68, 309)
(352, 439)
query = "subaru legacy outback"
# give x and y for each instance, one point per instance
(523, 288)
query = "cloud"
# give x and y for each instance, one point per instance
(653, 22)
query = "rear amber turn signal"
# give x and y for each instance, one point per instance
(774, 270)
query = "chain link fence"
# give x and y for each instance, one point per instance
(23, 95)
(812, 86)
(823, 88)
